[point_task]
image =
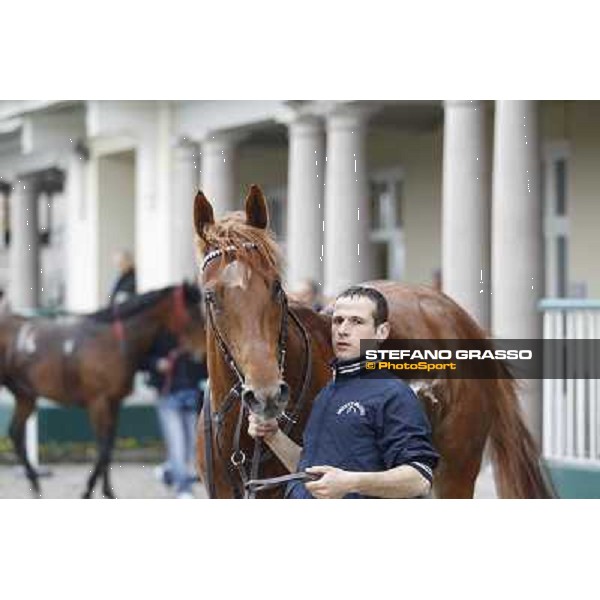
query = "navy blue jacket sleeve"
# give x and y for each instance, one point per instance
(405, 433)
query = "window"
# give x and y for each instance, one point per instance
(555, 173)
(560, 173)
(277, 205)
(45, 218)
(386, 203)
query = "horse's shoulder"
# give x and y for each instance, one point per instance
(318, 325)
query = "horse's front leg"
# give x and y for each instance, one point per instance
(103, 417)
(25, 405)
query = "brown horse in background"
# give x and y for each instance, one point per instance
(90, 361)
(249, 318)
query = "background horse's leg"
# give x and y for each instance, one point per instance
(24, 406)
(107, 490)
(104, 426)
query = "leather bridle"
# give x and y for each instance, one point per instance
(235, 466)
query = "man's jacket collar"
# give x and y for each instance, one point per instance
(344, 369)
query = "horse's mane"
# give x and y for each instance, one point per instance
(232, 230)
(131, 307)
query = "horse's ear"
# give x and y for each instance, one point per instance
(203, 213)
(257, 213)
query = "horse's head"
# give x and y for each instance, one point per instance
(246, 307)
(186, 318)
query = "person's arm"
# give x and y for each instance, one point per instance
(399, 482)
(286, 450)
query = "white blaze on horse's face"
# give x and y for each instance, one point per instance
(236, 274)
(250, 318)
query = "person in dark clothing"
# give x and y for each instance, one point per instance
(125, 285)
(367, 434)
(180, 381)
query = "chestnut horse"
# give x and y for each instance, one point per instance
(257, 346)
(90, 361)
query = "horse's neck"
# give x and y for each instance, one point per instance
(222, 380)
(141, 330)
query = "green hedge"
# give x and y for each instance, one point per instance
(58, 425)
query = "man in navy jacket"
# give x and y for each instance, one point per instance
(367, 434)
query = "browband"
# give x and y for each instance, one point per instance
(220, 251)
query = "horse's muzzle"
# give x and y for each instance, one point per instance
(269, 403)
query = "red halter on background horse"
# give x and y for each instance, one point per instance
(257, 346)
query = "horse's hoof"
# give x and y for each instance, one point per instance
(86, 496)
(109, 495)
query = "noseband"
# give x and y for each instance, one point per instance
(237, 459)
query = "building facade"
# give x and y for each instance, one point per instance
(497, 200)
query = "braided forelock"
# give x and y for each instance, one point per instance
(255, 247)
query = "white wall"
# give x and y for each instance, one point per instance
(185, 169)
(152, 128)
(420, 157)
(116, 214)
(265, 166)
(48, 131)
(198, 118)
(418, 154)
(578, 124)
(147, 127)
(52, 258)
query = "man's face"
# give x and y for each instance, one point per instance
(352, 322)
(121, 262)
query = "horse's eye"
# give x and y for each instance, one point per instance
(276, 290)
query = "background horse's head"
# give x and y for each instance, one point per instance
(192, 328)
(246, 305)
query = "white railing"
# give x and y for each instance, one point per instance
(571, 410)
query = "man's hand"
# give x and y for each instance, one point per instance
(265, 429)
(334, 483)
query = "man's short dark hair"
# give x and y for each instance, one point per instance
(380, 314)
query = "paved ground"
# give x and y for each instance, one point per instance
(485, 488)
(130, 480)
(68, 481)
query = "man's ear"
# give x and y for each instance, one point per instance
(382, 331)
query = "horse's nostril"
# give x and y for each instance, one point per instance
(248, 398)
(284, 393)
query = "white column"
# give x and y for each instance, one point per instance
(81, 236)
(517, 273)
(219, 167)
(186, 169)
(347, 249)
(466, 208)
(306, 179)
(24, 252)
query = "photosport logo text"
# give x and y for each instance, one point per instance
(485, 359)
